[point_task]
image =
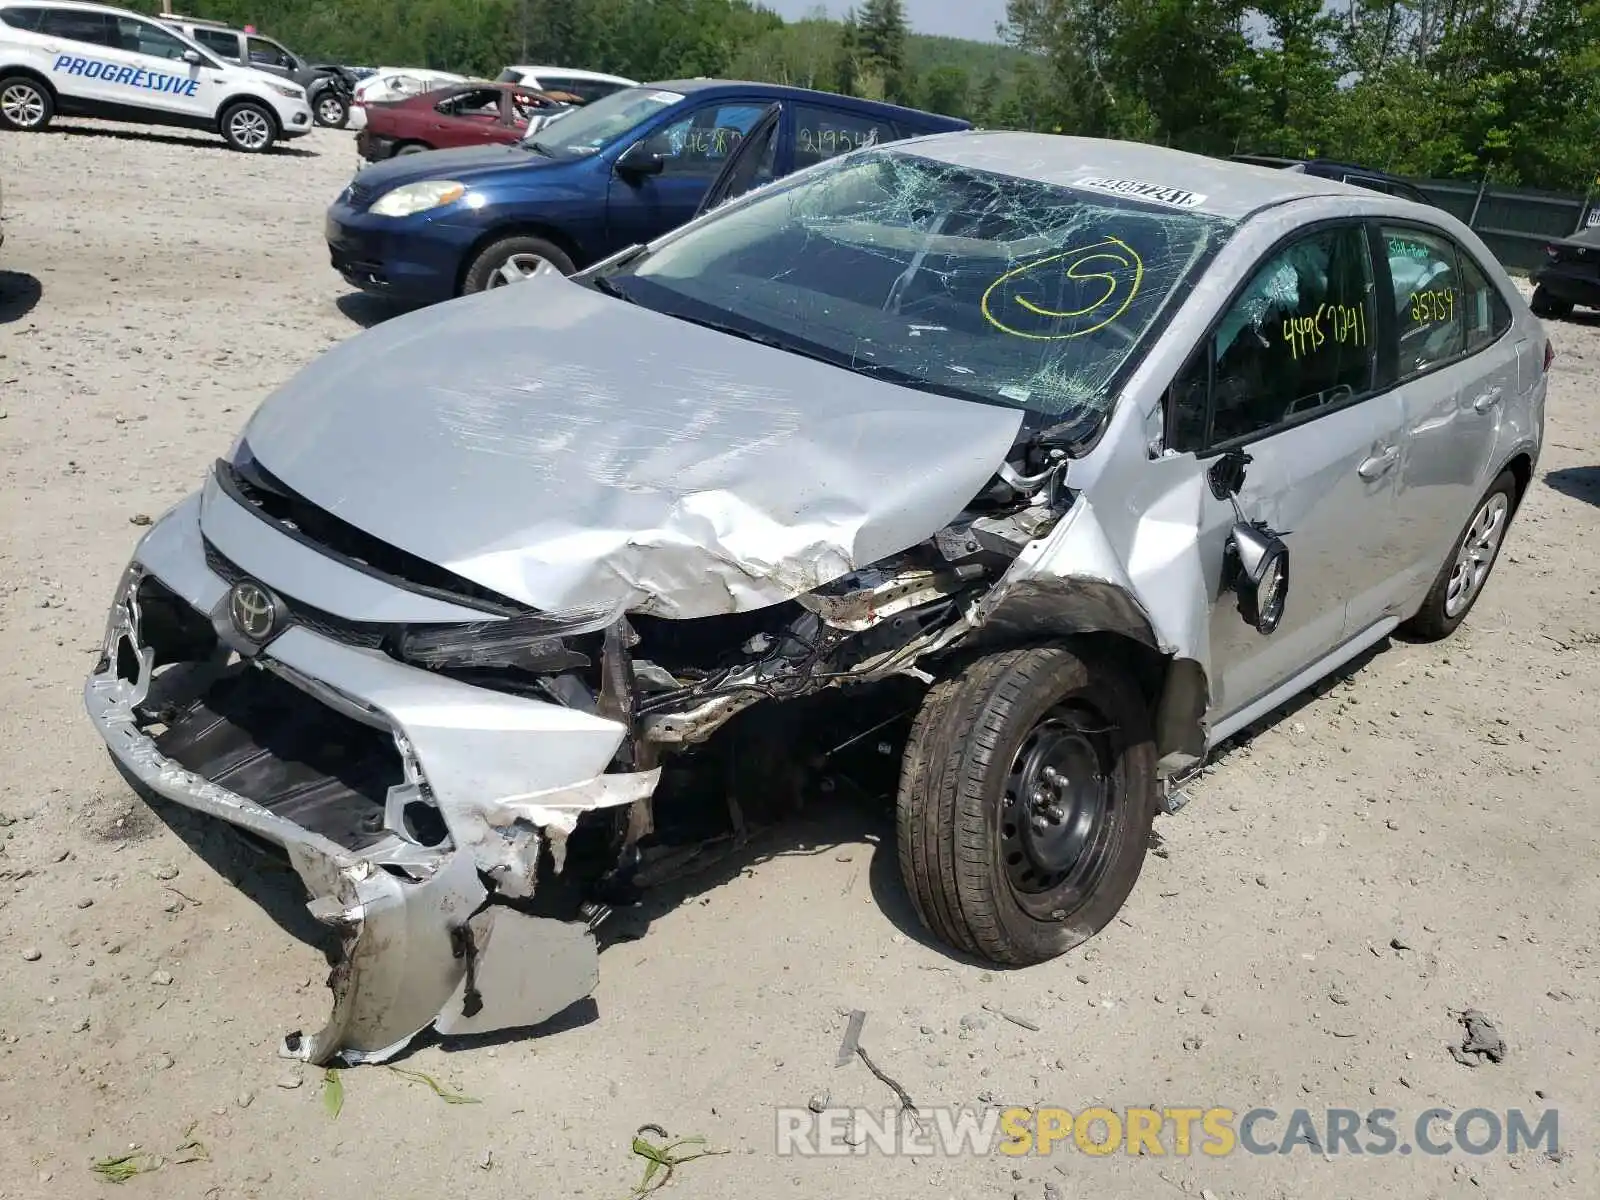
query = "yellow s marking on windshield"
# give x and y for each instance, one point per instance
(1121, 286)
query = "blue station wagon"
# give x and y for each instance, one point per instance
(621, 171)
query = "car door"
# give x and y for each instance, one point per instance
(84, 48)
(1456, 369)
(692, 148)
(157, 56)
(466, 117)
(1291, 376)
(748, 167)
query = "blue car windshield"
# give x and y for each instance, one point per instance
(1003, 290)
(582, 131)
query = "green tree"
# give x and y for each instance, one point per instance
(944, 90)
(881, 36)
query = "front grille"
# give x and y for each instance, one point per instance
(368, 635)
(259, 492)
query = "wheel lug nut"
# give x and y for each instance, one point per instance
(1057, 814)
(1039, 825)
(1039, 796)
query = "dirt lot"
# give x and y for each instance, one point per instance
(154, 287)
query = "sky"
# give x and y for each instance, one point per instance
(950, 18)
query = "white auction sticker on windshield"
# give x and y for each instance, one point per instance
(665, 97)
(1136, 189)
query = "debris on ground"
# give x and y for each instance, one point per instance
(852, 1043)
(1012, 1017)
(439, 1090)
(332, 1092)
(1482, 1043)
(664, 1159)
(123, 1167)
(819, 1102)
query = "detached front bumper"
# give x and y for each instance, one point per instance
(411, 805)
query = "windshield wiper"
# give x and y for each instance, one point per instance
(539, 148)
(601, 283)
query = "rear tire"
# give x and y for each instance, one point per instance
(1546, 305)
(249, 127)
(410, 148)
(26, 105)
(500, 261)
(1461, 580)
(331, 110)
(1026, 798)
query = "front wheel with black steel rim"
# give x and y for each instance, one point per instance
(331, 110)
(25, 104)
(1026, 798)
(248, 127)
(1460, 581)
(512, 260)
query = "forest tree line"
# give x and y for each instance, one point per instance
(1442, 88)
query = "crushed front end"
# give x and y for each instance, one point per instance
(416, 807)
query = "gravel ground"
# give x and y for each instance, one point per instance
(153, 287)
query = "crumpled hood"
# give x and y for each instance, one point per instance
(566, 448)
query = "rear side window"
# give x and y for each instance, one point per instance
(219, 41)
(821, 133)
(1427, 297)
(22, 18)
(1484, 309)
(75, 25)
(587, 90)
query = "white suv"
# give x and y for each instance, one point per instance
(88, 60)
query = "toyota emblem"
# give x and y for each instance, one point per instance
(252, 609)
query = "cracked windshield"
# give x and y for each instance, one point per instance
(946, 278)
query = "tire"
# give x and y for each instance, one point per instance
(409, 148)
(249, 127)
(331, 110)
(487, 270)
(1446, 606)
(26, 105)
(1546, 305)
(983, 737)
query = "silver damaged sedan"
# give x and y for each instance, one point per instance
(1044, 464)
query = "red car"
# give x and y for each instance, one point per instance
(462, 114)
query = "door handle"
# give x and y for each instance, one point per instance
(1487, 401)
(1378, 465)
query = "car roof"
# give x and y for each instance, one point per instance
(81, 6)
(574, 73)
(1222, 188)
(779, 91)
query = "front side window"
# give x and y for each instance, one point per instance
(264, 53)
(989, 287)
(141, 37)
(1299, 338)
(80, 25)
(821, 133)
(702, 142)
(1429, 314)
(586, 130)
(219, 41)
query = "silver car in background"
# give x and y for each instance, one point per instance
(1087, 454)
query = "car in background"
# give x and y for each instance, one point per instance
(616, 172)
(327, 87)
(1570, 276)
(91, 60)
(1353, 173)
(394, 83)
(1090, 454)
(461, 114)
(588, 86)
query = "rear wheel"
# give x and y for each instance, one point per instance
(249, 127)
(1461, 579)
(332, 110)
(25, 104)
(513, 259)
(1546, 305)
(1026, 799)
(410, 148)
